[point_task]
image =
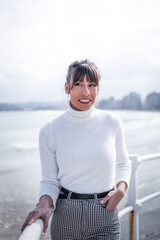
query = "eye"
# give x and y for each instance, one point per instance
(93, 85)
(77, 84)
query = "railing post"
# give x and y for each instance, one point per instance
(133, 200)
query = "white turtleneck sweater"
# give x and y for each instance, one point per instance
(83, 151)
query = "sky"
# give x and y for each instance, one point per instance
(39, 39)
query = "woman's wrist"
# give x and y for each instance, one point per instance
(121, 187)
(46, 200)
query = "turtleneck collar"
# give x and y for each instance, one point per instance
(76, 115)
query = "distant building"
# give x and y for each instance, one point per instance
(132, 101)
(119, 104)
(107, 103)
(32, 106)
(152, 101)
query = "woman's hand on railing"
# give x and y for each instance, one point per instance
(42, 211)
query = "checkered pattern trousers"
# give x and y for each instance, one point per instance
(78, 219)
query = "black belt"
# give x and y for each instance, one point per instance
(83, 195)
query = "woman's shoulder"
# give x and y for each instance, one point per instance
(109, 115)
(111, 119)
(52, 122)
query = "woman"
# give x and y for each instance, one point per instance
(83, 157)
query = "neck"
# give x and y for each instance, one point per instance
(76, 115)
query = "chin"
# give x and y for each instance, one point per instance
(84, 107)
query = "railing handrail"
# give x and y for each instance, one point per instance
(125, 211)
(149, 197)
(149, 157)
(130, 208)
(33, 232)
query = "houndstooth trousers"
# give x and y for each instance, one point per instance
(78, 219)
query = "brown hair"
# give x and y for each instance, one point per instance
(79, 69)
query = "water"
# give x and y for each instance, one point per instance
(20, 172)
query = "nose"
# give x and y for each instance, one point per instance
(85, 89)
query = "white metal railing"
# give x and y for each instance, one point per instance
(34, 231)
(133, 206)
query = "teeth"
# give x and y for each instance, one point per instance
(84, 100)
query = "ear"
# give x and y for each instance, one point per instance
(67, 87)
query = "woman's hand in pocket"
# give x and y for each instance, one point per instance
(113, 198)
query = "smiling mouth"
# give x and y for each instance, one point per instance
(85, 101)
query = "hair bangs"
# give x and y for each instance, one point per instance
(92, 75)
(85, 70)
(79, 74)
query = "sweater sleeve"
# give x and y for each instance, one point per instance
(123, 163)
(50, 184)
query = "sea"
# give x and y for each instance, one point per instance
(20, 172)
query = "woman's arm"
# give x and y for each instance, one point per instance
(123, 169)
(47, 147)
(50, 186)
(123, 163)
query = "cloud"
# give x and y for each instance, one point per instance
(2, 78)
(39, 40)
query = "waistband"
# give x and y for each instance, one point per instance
(72, 195)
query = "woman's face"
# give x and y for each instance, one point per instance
(83, 94)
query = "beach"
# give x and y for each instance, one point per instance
(20, 172)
